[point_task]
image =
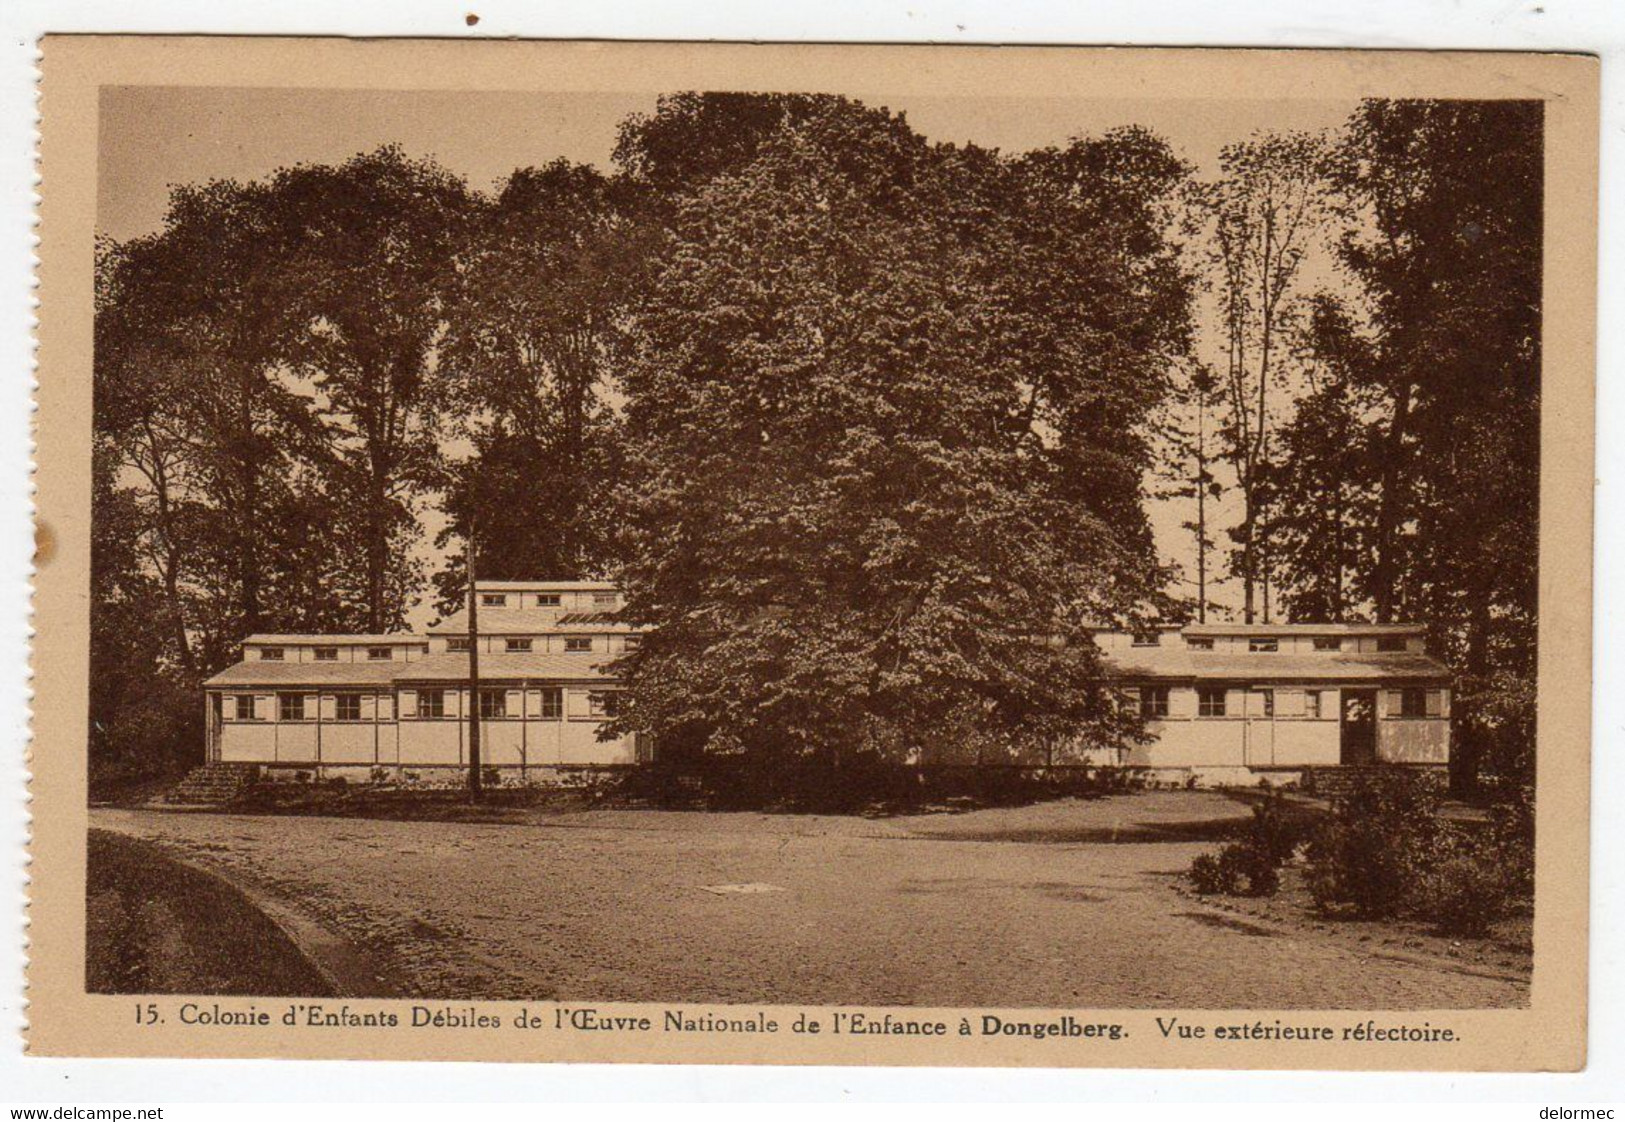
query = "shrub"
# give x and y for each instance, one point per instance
(1215, 874)
(1252, 865)
(1466, 889)
(1380, 839)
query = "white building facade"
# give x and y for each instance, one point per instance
(1232, 702)
(402, 701)
(1222, 703)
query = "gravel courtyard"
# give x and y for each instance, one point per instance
(1061, 904)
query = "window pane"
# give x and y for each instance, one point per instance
(552, 704)
(432, 703)
(493, 703)
(271, 654)
(290, 706)
(519, 644)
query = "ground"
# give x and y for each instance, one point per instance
(1069, 903)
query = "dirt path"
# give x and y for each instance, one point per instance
(1026, 907)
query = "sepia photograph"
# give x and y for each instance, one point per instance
(846, 546)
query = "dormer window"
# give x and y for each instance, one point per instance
(327, 654)
(379, 654)
(604, 599)
(1263, 646)
(1328, 643)
(518, 646)
(1199, 642)
(1148, 639)
(1391, 644)
(548, 600)
(271, 654)
(578, 644)
(493, 600)
(458, 645)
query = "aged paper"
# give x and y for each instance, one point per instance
(308, 299)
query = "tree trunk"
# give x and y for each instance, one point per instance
(1390, 508)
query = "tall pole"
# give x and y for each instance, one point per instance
(476, 790)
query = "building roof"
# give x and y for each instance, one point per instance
(1284, 629)
(506, 667)
(529, 621)
(398, 638)
(260, 673)
(1218, 666)
(546, 586)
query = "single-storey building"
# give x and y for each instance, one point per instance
(402, 700)
(1227, 702)
(1221, 702)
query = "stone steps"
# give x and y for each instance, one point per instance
(215, 782)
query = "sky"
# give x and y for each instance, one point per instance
(156, 137)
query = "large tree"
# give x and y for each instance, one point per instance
(868, 507)
(367, 256)
(1265, 212)
(544, 275)
(1450, 258)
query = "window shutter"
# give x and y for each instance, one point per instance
(577, 703)
(369, 706)
(330, 706)
(1235, 703)
(228, 709)
(533, 703)
(409, 703)
(1289, 703)
(454, 702)
(1444, 703)
(386, 707)
(1396, 702)
(1181, 702)
(262, 707)
(516, 703)
(1435, 703)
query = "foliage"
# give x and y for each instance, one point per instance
(544, 276)
(875, 485)
(1377, 844)
(1251, 865)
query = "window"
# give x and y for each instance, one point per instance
(632, 642)
(1413, 703)
(1263, 646)
(1390, 644)
(493, 703)
(603, 703)
(1328, 643)
(552, 704)
(379, 654)
(431, 703)
(604, 599)
(1153, 702)
(518, 645)
(245, 707)
(327, 654)
(548, 599)
(1311, 704)
(1148, 639)
(1210, 702)
(270, 654)
(349, 707)
(458, 645)
(1196, 643)
(290, 706)
(493, 600)
(577, 644)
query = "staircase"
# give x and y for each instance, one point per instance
(215, 783)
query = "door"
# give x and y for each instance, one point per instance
(1260, 728)
(1358, 739)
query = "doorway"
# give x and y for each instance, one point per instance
(1358, 741)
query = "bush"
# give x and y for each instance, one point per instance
(1381, 838)
(1251, 866)
(1467, 889)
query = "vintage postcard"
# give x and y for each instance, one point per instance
(813, 554)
